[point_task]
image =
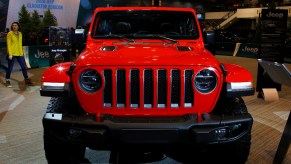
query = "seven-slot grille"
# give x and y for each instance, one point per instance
(148, 88)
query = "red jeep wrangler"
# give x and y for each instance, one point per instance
(146, 83)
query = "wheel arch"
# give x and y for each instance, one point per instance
(238, 81)
(56, 81)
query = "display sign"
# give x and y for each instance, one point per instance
(60, 44)
(38, 56)
(246, 50)
(65, 12)
(273, 35)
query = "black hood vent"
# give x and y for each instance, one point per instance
(184, 48)
(108, 48)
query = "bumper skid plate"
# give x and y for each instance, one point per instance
(83, 129)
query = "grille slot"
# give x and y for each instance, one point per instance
(121, 88)
(107, 93)
(162, 88)
(189, 93)
(148, 88)
(134, 88)
(175, 88)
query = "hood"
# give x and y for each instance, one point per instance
(143, 54)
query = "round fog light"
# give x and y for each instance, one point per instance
(221, 133)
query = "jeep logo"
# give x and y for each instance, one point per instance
(250, 49)
(274, 15)
(41, 54)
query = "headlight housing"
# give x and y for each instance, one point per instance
(90, 81)
(205, 81)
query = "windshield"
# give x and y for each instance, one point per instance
(145, 24)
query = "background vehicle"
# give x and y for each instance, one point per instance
(145, 83)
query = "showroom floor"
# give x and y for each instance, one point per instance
(22, 109)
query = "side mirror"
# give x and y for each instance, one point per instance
(209, 40)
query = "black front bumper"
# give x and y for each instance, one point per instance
(110, 131)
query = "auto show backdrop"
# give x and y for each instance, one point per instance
(65, 12)
(87, 7)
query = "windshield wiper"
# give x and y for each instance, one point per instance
(166, 38)
(119, 36)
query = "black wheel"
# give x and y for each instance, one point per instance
(59, 152)
(56, 150)
(230, 106)
(237, 152)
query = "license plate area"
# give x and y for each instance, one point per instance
(149, 135)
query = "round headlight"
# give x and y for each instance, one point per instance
(90, 80)
(205, 81)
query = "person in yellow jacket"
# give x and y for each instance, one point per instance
(15, 51)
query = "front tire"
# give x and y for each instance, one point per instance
(59, 152)
(237, 152)
(56, 150)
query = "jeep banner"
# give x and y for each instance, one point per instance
(246, 50)
(65, 12)
(38, 56)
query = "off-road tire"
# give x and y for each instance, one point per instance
(237, 152)
(230, 106)
(57, 151)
